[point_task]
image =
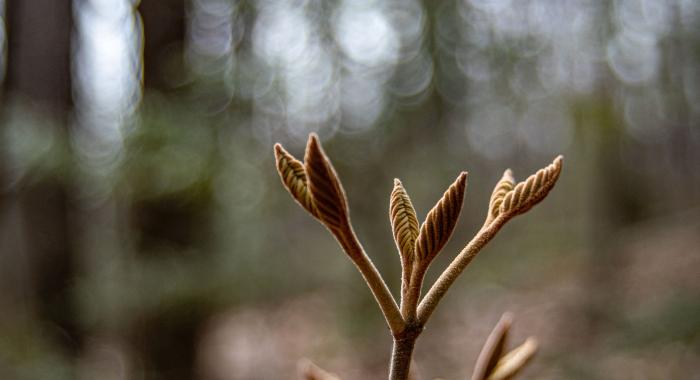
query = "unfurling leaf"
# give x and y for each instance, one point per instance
(492, 364)
(531, 191)
(403, 222)
(293, 177)
(493, 348)
(326, 190)
(440, 222)
(505, 185)
(513, 362)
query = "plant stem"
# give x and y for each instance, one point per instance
(348, 240)
(402, 353)
(443, 283)
(410, 303)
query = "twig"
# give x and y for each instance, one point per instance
(374, 280)
(314, 184)
(443, 283)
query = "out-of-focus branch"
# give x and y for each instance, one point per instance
(493, 364)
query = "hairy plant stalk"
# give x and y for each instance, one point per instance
(351, 245)
(402, 353)
(410, 305)
(443, 283)
(432, 237)
(507, 201)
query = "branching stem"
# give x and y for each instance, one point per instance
(316, 187)
(410, 302)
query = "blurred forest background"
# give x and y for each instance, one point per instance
(144, 232)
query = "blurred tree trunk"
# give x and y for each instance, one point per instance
(618, 201)
(38, 61)
(38, 79)
(167, 227)
(164, 33)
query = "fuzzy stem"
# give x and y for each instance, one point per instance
(406, 269)
(402, 353)
(348, 240)
(410, 303)
(448, 277)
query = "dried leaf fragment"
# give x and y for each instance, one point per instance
(440, 222)
(404, 222)
(325, 187)
(293, 177)
(534, 189)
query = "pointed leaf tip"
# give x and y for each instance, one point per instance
(502, 188)
(279, 151)
(325, 186)
(404, 222)
(294, 179)
(507, 318)
(533, 190)
(313, 139)
(508, 175)
(441, 221)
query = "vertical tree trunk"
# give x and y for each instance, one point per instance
(164, 33)
(38, 79)
(38, 59)
(166, 340)
(616, 201)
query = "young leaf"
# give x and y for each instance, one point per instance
(326, 190)
(531, 191)
(493, 348)
(440, 222)
(403, 222)
(505, 185)
(293, 177)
